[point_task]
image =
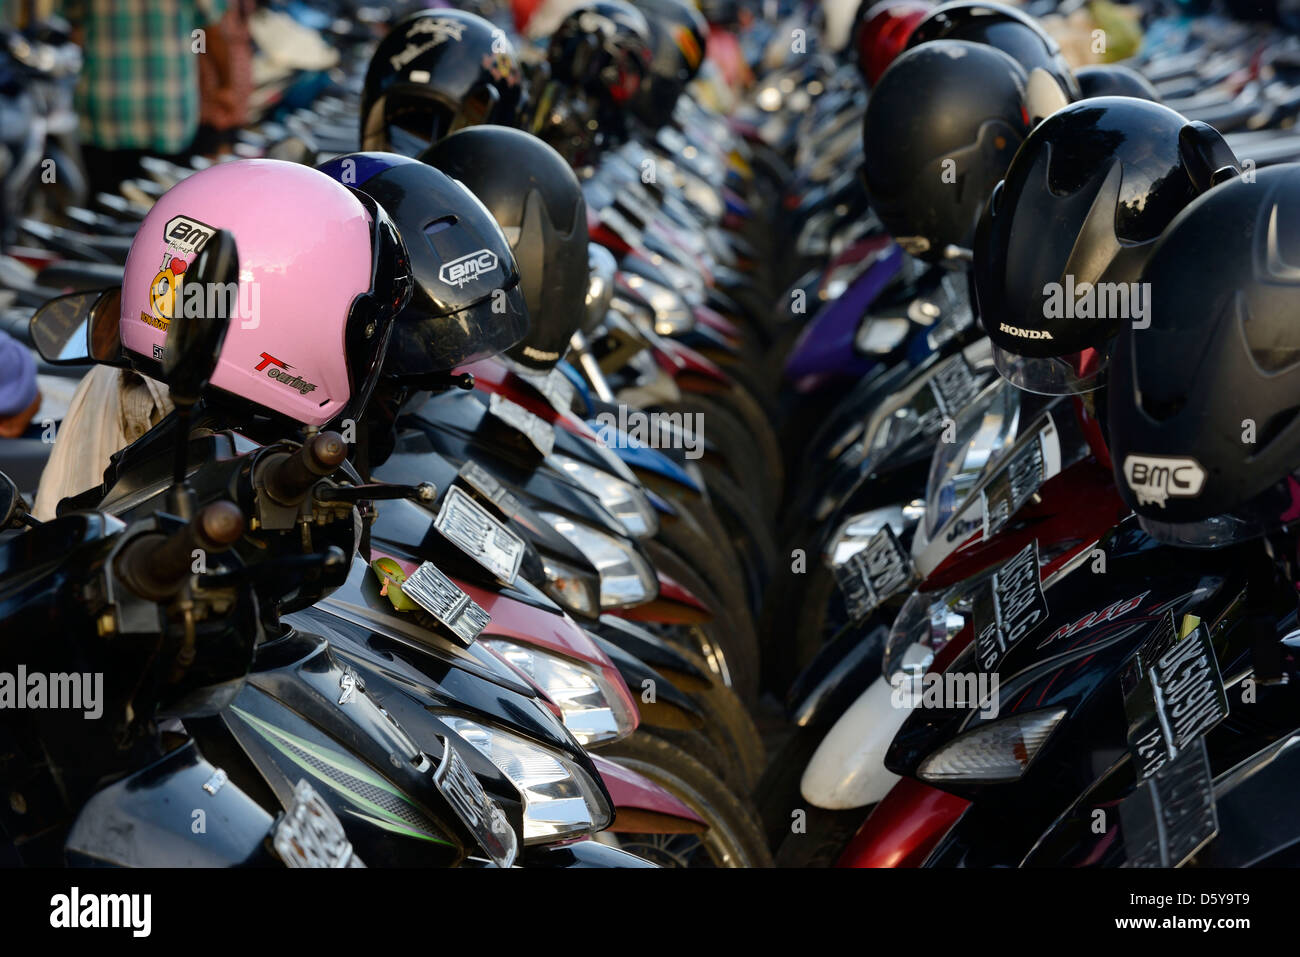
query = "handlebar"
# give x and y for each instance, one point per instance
(289, 479)
(156, 570)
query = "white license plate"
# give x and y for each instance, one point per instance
(480, 536)
(537, 430)
(474, 806)
(873, 575)
(438, 595)
(310, 834)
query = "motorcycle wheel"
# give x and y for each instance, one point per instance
(733, 838)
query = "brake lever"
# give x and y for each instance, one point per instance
(426, 493)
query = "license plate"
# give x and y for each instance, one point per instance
(438, 595)
(1007, 607)
(475, 807)
(483, 483)
(480, 536)
(873, 575)
(1171, 815)
(1018, 480)
(538, 431)
(1173, 694)
(310, 834)
(554, 386)
(954, 386)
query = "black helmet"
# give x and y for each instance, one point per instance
(940, 130)
(1014, 33)
(537, 200)
(436, 71)
(1203, 404)
(1065, 235)
(603, 49)
(1112, 79)
(466, 303)
(678, 35)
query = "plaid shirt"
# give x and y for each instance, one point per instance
(139, 87)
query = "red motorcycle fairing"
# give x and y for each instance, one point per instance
(1079, 505)
(904, 828)
(642, 806)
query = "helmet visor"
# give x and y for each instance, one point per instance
(1277, 506)
(1072, 374)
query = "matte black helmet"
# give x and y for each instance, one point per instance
(537, 200)
(1015, 33)
(1204, 404)
(602, 48)
(467, 303)
(435, 72)
(1114, 79)
(678, 35)
(940, 130)
(1065, 235)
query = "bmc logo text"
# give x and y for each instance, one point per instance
(468, 268)
(1154, 478)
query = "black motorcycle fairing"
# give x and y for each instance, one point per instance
(148, 819)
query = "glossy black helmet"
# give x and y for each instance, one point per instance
(602, 49)
(1204, 424)
(467, 303)
(1015, 33)
(940, 129)
(435, 72)
(678, 35)
(1114, 79)
(1064, 238)
(537, 200)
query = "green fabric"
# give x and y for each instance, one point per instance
(139, 87)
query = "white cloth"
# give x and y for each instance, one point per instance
(110, 409)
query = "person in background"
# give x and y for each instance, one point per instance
(138, 94)
(225, 80)
(20, 399)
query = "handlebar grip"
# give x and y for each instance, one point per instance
(156, 571)
(288, 480)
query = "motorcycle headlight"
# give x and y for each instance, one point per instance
(623, 500)
(573, 590)
(881, 335)
(594, 711)
(560, 799)
(626, 578)
(997, 751)
(856, 531)
(985, 428)
(928, 620)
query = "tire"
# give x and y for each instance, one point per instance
(733, 839)
(735, 455)
(823, 841)
(712, 560)
(777, 795)
(731, 630)
(728, 723)
(750, 534)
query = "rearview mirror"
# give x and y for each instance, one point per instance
(194, 341)
(80, 328)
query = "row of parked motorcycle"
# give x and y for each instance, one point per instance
(546, 412)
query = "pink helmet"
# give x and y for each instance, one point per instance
(322, 271)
